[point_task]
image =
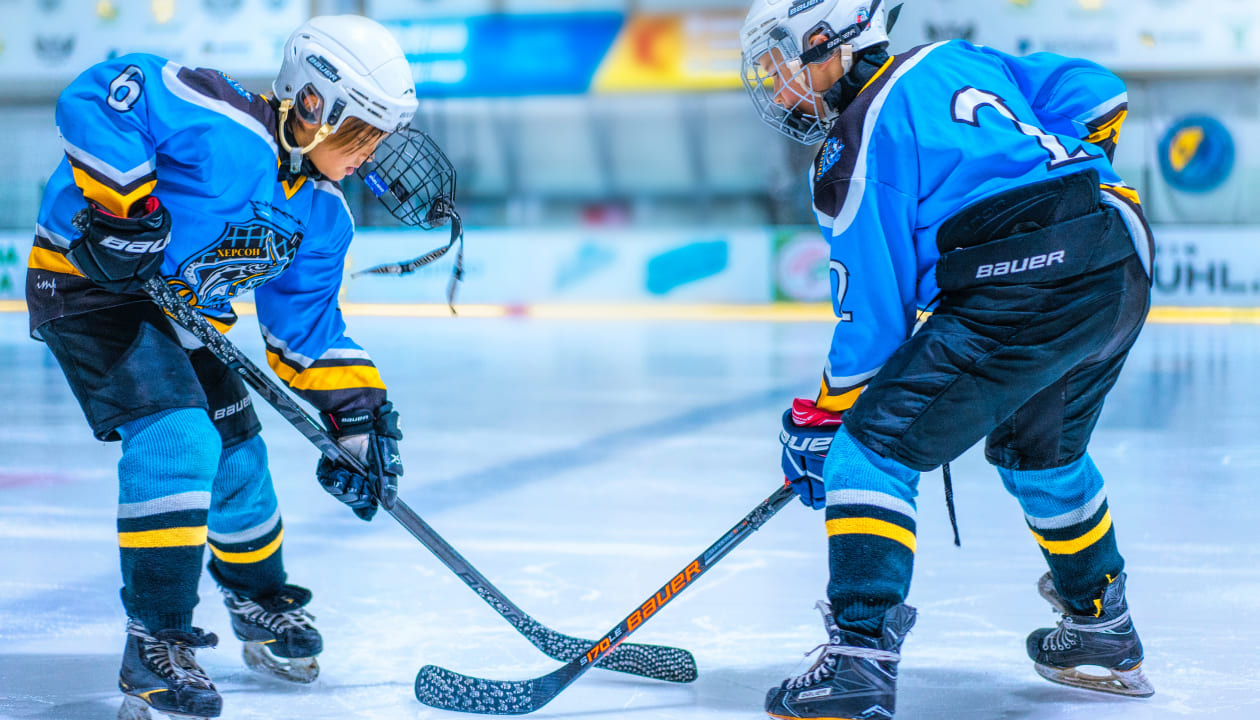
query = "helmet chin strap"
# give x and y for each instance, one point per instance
(845, 55)
(846, 59)
(295, 154)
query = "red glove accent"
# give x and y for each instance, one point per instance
(805, 413)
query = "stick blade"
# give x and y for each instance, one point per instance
(445, 689)
(658, 662)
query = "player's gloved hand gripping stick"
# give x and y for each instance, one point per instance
(807, 434)
(434, 186)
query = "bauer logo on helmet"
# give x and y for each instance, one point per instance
(324, 67)
(801, 6)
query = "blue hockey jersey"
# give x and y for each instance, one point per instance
(937, 129)
(206, 147)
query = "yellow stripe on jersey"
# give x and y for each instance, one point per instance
(343, 377)
(168, 537)
(1127, 193)
(291, 188)
(1069, 547)
(878, 72)
(251, 556)
(108, 197)
(1109, 130)
(871, 526)
(52, 261)
(837, 403)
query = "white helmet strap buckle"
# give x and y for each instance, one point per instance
(296, 153)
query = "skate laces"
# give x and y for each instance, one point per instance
(277, 622)
(825, 666)
(172, 655)
(1065, 635)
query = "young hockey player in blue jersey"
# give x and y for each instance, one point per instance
(976, 185)
(183, 174)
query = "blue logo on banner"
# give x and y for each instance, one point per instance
(590, 259)
(1196, 154)
(686, 264)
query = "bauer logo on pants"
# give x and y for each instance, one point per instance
(1010, 267)
(232, 409)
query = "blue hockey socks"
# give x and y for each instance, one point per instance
(870, 533)
(1066, 510)
(245, 527)
(164, 480)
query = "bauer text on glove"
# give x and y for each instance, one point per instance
(372, 437)
(121, 253)
(806, 436)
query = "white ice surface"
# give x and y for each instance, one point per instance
(579, 465)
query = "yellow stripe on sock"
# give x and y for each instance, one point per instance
(253, 556)
(1069, 547)
(871, 526)
(168, 537)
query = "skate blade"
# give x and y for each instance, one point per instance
(134, 708)
(1132, 683)
(299, 670)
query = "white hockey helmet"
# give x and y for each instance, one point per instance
(342, 66)
(777, 55)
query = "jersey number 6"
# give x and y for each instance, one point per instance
(966, 109)
(125, 90)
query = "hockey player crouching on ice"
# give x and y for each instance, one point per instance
(935, 165)
(182, 173)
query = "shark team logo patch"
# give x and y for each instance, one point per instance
(831, 151)
(245, 256)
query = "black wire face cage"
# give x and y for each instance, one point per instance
(413, 178)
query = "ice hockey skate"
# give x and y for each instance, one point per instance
(854, 677)
(1095, 653)
(277, 633)
(160, 671)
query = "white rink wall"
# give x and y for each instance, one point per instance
(1195, 266)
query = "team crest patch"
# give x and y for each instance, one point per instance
(244, 256)
(831, 151)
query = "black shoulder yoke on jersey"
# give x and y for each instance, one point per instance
(844, 146)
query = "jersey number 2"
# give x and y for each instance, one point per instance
(966, 109)
(840, 281)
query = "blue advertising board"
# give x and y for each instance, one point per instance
(507, 55)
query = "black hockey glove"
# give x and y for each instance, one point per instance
(373, 438)
(121, 253)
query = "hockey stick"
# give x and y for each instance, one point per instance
(448, 690)
(653, 661)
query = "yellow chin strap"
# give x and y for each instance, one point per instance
(295, 154)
